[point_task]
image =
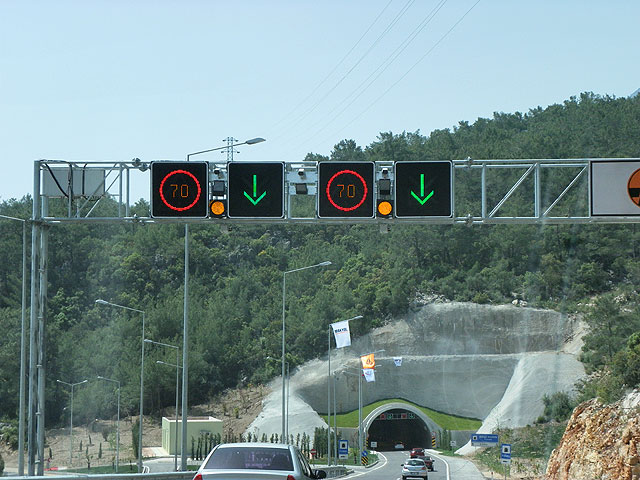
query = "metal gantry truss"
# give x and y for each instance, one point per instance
(541, 191)
(82, 186)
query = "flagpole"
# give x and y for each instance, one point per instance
(357, 317)
(329, 402)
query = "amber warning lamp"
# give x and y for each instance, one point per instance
(217, 208)
(384, 208)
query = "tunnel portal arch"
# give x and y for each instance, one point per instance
(399, 422)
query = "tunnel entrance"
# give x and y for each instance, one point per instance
(396, 427)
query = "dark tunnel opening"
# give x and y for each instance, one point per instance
(398, 429)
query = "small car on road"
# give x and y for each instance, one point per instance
(414, 468)
(256, 461)
(417, 452)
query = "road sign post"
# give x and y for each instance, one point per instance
(505, 456)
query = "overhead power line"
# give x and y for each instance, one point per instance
(402, 77)
(296, 119)
(371, 79)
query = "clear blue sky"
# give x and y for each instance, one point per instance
(113, 80)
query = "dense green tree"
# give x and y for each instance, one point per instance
(236, 278)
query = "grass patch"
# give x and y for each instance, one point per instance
(449, 422)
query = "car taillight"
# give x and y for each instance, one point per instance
(198, 476)
(423, 468)
(291, 477)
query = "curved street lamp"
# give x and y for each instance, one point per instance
(284, 287)
(175, 454)
(117, 422)
(178, 367)
(104, 302)
(71, 418)
(357, 317)
(185, 330)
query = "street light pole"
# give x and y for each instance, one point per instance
(175, 453)
(185, 321)
(177, 387)
(23, 333)
(284, 289)
(117, 421)
(357, 317)
(104, 302)
(359, 374)
(71, 418)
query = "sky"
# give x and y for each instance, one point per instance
(98, 80)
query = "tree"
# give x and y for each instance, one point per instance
(347, 151)
(135, 429)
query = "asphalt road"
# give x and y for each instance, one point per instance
(389, 468)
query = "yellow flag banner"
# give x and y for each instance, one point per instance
(368, 361)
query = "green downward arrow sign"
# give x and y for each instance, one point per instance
(255, 199)
(422, 199)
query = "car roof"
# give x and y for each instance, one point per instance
(416, 460)
(255, 445)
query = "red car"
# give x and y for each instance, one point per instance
(417, 452)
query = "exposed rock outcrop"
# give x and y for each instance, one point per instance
(601, 441)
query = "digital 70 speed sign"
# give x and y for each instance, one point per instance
(345, 189)
(179, 189)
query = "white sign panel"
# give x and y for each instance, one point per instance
(614, 187)
(341, 332)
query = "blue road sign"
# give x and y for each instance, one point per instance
(343, 449)
(484, 440)
(505, 453)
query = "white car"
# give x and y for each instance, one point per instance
(414, 468)
(256, 461)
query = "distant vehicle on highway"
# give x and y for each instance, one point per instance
(428, 462)
(399, 446)
(414, 468)
(256, 461)
(417, 452)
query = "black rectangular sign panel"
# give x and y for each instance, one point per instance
(256, 189)
(423, 189)
(179, 189)
(345, 189)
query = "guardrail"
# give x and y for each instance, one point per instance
(188, 475)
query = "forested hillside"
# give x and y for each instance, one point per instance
(236, 277)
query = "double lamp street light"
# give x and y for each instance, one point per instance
(118, 421)
(177, 366)
(104, 302)
(71, 417)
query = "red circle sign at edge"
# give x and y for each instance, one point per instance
(164, 200)
(364, 184)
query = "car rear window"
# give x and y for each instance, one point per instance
(250, 458)
(415, 462)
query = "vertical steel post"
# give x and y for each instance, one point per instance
(329, 402)
(36, 230)
(175, 453)
(185, 350)
(284, 288)
(360, 415)
(23, 356)
(42, 301)
(141, 400)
